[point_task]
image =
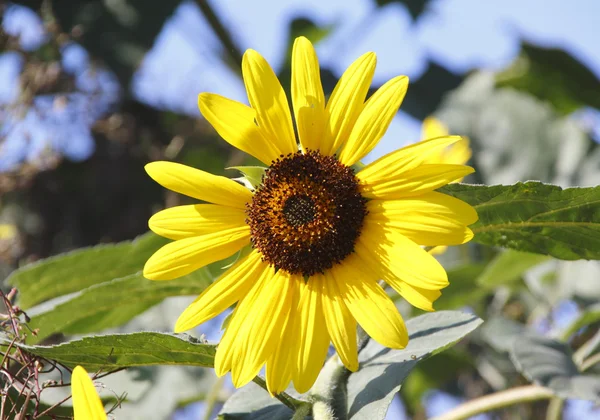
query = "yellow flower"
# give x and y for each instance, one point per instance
(322, 233)
(86, 402)
(458, 153)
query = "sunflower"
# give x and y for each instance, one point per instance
(458, 153)
(322, 231)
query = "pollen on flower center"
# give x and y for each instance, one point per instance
(307, 214)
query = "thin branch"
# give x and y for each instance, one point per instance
(555, 409)
(496, 401)
(221, 32)
(285, 399)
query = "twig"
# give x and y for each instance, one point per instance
(497, 400)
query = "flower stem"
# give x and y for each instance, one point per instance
(285, 399)
(555, 409)
(497, 400)
(212, 397)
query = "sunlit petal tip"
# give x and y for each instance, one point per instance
(86, 402)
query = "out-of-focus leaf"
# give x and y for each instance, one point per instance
(590, 315)
(555, 76)
(549, 363)
(508, 267)
(500, 333)
(113, 303)
(74, 271)
(463, 289)
(535, 217)
(414, 7)
(109, 352)
(382, 370)
(254, 403)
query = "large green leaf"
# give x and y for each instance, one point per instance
(549, 363)
(536, 217)
(463, 289)
(382, 370)
(109, 352)
(509, 267)
(74, 271)
(113, 303)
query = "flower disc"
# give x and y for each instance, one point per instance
(307, 214)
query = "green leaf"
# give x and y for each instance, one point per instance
(555, 76)
(254, 403)
(508, 267)
(414, 7)
(549, 363)
(113, 303)
(74, 271)
(589, 316)
(109, 352)
(382, 370)
(253, 174)
(535, 217)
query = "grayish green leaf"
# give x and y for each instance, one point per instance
(535, 217)
(254, 403)
(109, 352)
(253, 174)
(382, 370)
(590, 315)
(500, 333)
(549, 363)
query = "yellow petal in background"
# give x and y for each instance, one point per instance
(232, 286)
(236, 123)
(192, 220)
(199, 184)
(268, 99)
(374, 120)
(86, 402)
(307, 95)
(347, 101)
(181, 257)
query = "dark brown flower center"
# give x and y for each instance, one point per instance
(307, 214)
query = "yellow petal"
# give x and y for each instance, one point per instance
(199, 184)
(86, 402)
(423, 179)
(459, 153)
(181, 257)
(186, 221)
(268, 99)
(374, 120)
(429, 219)
(313, 341)
(279, 368)
(432, 128)
(347, 101)
(232, 286)
(229, 352)
(235, 122)
(307, 95)
(403, 160)
(340, 323)
(379, 247)
(370, 305)
(263, 327)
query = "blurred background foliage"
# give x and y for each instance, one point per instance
(91, 90)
